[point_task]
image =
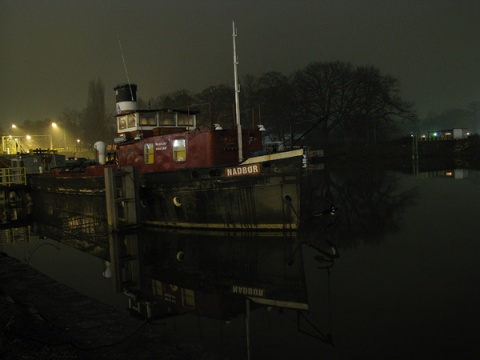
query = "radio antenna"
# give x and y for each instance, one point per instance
(237, 91)
(125, 67)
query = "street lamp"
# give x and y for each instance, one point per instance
(77, 144)
(54, 125)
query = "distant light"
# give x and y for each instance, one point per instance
(435, 134)
(14, 126)
(28, 137)
(54, 125)
(449, 173)
(78, 141)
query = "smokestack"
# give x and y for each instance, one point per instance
(126, 97)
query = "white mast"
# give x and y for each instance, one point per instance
(237, 91)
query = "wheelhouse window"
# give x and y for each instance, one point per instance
(148, 119)
(179, 150)
(122, 123)
(127, 123)
(132, 121)
(148, 153)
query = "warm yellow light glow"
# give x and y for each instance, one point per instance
(28, 137)
(14, 126)
(54, 125)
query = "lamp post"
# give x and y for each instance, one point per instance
(77, 144)
(17, 139)
(54, 125)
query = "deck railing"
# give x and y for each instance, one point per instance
(13, 176)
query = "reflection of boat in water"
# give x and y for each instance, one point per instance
(209, 273)
(217, 275)
(217, 278)
(183, 176)
(212, 274)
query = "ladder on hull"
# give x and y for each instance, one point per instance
(121, 198)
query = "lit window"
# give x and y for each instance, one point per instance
(132, 121)
(148, 120)
(157, 288)
(188, 298)
(122, 123)
(179, 150)
(148, 154)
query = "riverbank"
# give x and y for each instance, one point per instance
(43, 319)
(398, 154)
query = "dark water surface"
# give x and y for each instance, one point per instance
(406, 284)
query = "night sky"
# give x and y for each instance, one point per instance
(50, 50)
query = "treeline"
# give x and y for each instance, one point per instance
(468, 118)
(322, 103)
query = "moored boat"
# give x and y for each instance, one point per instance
(168, 172)
(186, 177)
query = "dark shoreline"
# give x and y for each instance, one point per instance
(43, 319)
(400, 155)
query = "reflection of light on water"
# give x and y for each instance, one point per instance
(15, 235)
(457, 174)
(107, 270)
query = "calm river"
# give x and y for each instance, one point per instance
(406, 284)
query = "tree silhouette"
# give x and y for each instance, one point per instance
(96, 125)
(353, 103)
(219, 100)
(322, 102)
(369, 203)
(275, 94)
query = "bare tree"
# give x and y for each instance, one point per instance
(358, 103)
(72, 125)
(178, 99)
(96, 125)
(276, 102)
(218, 104)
